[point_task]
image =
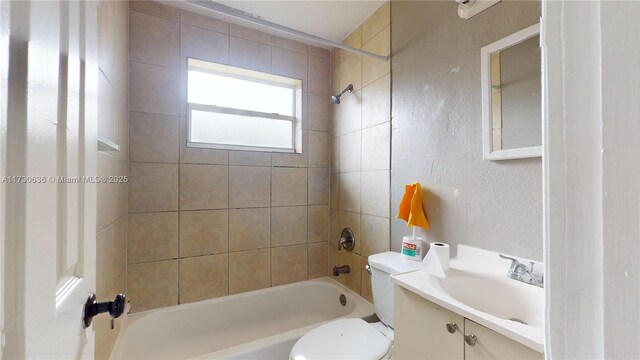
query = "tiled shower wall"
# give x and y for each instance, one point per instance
(205, 223)
(111, 222)
(361, 149)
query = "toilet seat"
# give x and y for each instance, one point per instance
(351, 338)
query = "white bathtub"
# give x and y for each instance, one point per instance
(258, 324)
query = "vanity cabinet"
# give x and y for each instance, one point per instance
(424, 330)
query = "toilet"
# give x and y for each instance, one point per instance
(354, 338)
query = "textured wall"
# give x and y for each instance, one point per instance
(437, 130)
(205, 223)
(361, 149)
(113, 61)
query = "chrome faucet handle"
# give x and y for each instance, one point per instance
(532, 263)
(514, 261)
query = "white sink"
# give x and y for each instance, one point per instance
(499, 296)
(476, 286)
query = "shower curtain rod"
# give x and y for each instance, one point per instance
(227, 10)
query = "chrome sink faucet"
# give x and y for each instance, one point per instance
(518, 271)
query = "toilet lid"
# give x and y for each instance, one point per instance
(341, 339)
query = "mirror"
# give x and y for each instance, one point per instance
(511, 96)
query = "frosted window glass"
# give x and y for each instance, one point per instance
(227, 129)
(211, 89)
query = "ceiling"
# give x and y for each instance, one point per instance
(330, 19)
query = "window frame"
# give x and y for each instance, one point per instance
(294, 119)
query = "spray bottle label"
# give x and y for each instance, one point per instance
(409, 249)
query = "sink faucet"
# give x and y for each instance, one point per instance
(518, 271)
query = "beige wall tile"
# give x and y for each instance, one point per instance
(152, 285)
(375, 234)
(203, 44)
(334, 237)
(351, 72)
(376, 147)
(318, 254)
(352, 221)
(155, 8)
(106, 116)
(354, 40)
(334, 227)
(376, 102)
(288, 225)
(348, 114)
(187, 17)
(249, 270)
(249, 186)
(154, 40)
(106, 38)
(191, 155)
(375, 193)
(204, 277)
(336, 57)
(373, 69)
(282, 193)
(316, 51)
(153, 138)
(365, 288)
(318, 75)
(153, 89)
(289, 44)
(288, 264)
(319, 186)
(376, 22)
(318, 224)
(249, 55)
(153, 187)
(249, 158)
(335, 191)
(319, 148)
(110, 244)
(290, 64)
(249, 229)
(350, 191)
(249, 34)
(350, 152)
(121, 78)
(335, 155)
(204, 187)
(152, 237)
(335, 79)
(352, 280)
(111, 197)
(318, 112)
(204, 232)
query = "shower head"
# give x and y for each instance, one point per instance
(336, 98)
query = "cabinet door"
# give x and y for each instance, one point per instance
(492, 345)
(421, 329)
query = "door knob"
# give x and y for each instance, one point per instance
(451, 327)
(470, 339)
(92, 308)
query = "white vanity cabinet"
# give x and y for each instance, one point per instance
(424, 330)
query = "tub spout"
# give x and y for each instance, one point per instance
(344, 269)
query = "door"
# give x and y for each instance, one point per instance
(488, 344)
(425, 330)
(47, 200)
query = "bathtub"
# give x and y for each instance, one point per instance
(257, 324)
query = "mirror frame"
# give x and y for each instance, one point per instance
(487, 123)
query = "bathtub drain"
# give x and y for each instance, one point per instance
(343, 300)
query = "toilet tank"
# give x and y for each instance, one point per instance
(383, 265)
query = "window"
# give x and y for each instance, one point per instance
(233, 108)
